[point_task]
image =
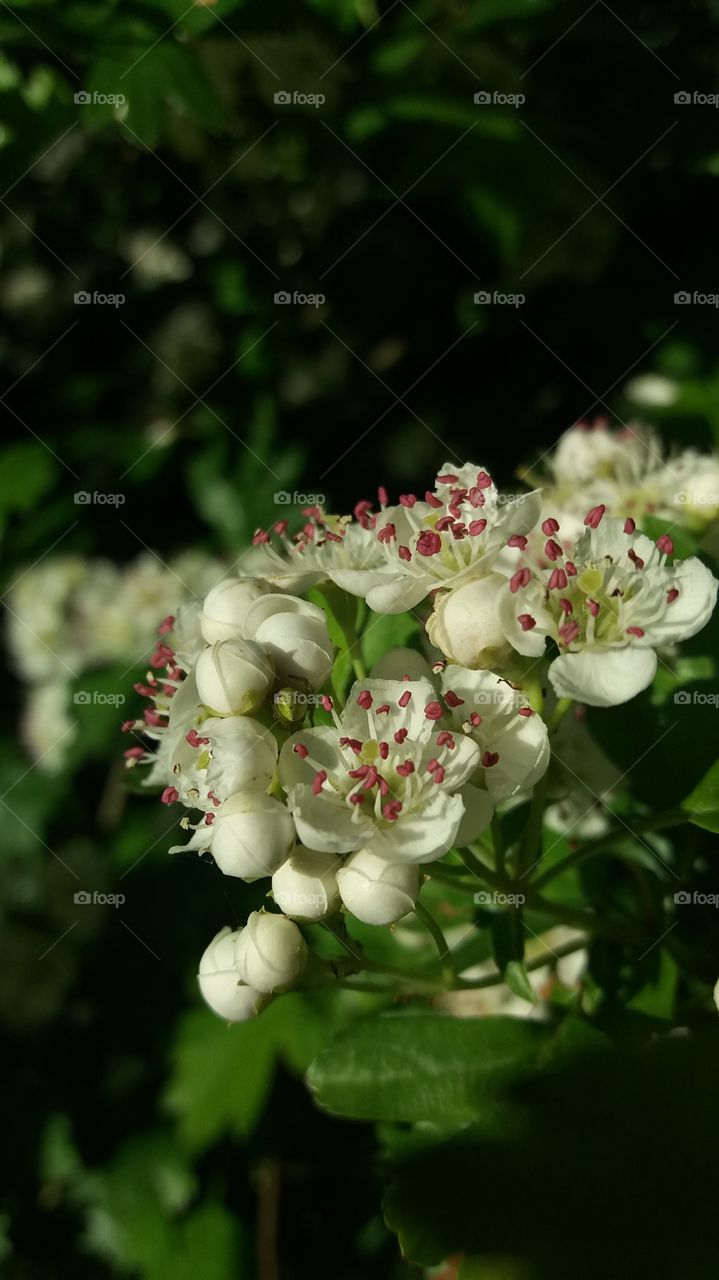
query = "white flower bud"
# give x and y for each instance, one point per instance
(376, 891)
(305, 886)
(244, 754)
(271, 952)
(466, 625)
(251, 835)
(220, 983)
(295, 634)
(233, 677)
(225, 608)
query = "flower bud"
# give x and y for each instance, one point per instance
(466, 625)
(220, 983)
(296, 636)
(244, 754)
(376, 891)
(251, 835)
(233, 677)
(225, 608)
(305, 886)
(288, 707)
(271, 952)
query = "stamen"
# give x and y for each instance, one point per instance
(526, 621)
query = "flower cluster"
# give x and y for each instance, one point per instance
(69, 615)
(344, 796)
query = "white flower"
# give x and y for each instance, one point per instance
(716, 994)
(377, 891)
(305, 886)
(220, 982)
(271, 952)
(225, 606)
(512, 739)
(466, 625)
(233, 676)
(388, 776)
(652, 389)
(608, 609)
(241, 753)
(692, 482)
(329, 548)
(251, 835)
(451, 537)
(294, 633)
(627, 472)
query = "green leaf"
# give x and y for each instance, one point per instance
(411, 1067)
(702, 805)
(222, 1074)
(387, 631)
(517, 979)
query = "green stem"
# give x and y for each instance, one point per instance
(616, 931)
(478, 869)
(530, 850)
(500, 849)
(438, 938)
(558, 714)
(494, 979)
(605, 844)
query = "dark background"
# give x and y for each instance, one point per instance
(199, 398)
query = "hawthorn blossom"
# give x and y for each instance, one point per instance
(608, 608)
(389, 776)
(628, 472)
(450, 537)
(339, 549)
(511, 738)
(220, 981)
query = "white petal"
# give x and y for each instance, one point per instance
(325, 822)
(399, 592)
(321, 744)
(603, 677)
(422, 835)
(478, 811)
(693, 606)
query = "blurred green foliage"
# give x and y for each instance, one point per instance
(143, 1138)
